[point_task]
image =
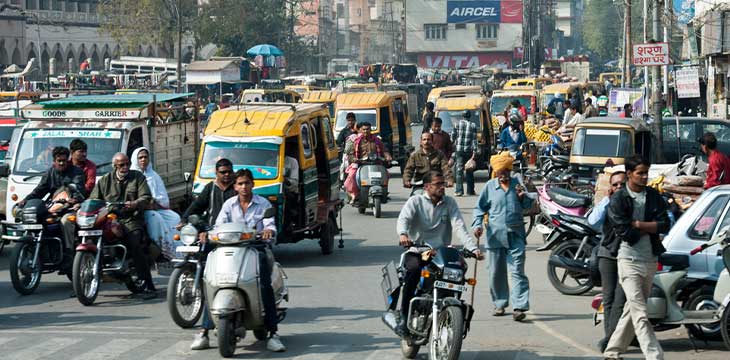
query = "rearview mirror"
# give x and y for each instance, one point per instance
(269, 213)
(4, 170)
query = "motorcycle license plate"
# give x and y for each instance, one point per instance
(90, 232)
(30, 227)
(449, 286)
(187, 249)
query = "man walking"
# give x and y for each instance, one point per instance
(718, 169)
(428, 116)
(637, 215)
(504, 198)
(589, 111)
(465, 143)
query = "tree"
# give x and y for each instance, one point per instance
(603, 22)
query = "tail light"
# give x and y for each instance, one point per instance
(597, 301)
(555, 221)
(659, 266)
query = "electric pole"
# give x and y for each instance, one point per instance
(656, 90)
(626, 78)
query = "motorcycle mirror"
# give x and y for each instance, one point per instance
(269, 213)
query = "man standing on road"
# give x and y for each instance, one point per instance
(425, 160)
(637, 214)
(429, 218)
(504, 198)
(718, 168)
(428, 116)
(442, 140)
(589, 111)
(465, 143)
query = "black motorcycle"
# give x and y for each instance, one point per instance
(185, 297)
(437, 312)
(571, 244)
(39, 248)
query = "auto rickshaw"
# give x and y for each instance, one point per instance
(553, 97)
(387, 112)
(458, 90)
(19, 95)
(359, 88)
(303, 89)
(502, 98)
(270, 96)
(532, 83)
(321, 97)
(259, 137)
(600, 139)
(451, 110)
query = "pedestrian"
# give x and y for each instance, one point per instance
(428, 116)
(718, 169)
(637, 214)
(441, 140)
(503, 199)
(520, 108)
(628, 109)
(348, 130)
(589, 111)
(464, 136)
(567, 115)
(575, 116)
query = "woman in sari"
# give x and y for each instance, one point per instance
(159, 219)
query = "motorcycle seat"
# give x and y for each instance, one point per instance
(580, 220)
(675, 261)
(561, 159)
(567, 198)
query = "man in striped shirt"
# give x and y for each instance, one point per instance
(464, 137)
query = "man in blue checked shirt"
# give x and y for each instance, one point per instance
(464, 137)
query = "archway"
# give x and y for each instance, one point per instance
(95, 63)
(150, 52)
(15, 59)
(187, 56)
(4, 56)
(45, 58)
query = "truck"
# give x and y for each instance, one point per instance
(162, 122)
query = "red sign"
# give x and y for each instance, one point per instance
(651, 54)
(465, 60)
(511, 12)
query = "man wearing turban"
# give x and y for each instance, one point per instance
(503, 199)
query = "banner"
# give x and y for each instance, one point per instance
(651, 54)
(502, 60)
(484, 11)
(687, 83)
(684, 10)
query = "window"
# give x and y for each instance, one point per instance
(487, 31)
(703, 227)
(686, 131)
(81, 7)
(721, 131)
(435, 31)
(70, 6)
(57, 6)
(460, 26)
(135, 141)
(92, 8)
(31, 4)
(44, 5)
(306, 141)
(328, 132)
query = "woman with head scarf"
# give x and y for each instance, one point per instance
(159, 219)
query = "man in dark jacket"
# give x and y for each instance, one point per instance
(130, 187)
(61, 174)
(637, 214)
(428, 116)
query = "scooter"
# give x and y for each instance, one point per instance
(557, 200)
(663, 306)
(232, 288)
(372, 180)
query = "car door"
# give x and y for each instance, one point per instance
(700, 232)
(713, 255)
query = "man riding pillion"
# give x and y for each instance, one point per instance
(61, 174)
(130, 187)
(248, 208)
(426, 159)
(428, 218)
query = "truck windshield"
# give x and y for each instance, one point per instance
(603, 143)
(451, 118)
(261, 158)
(368, 116)
(36, 147)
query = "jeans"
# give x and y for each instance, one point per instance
(613, 296)
(461, 159)
(636, 280)
(499, 261)
(267, 291)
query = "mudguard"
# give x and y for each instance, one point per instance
(90, 247)
(227, 301)
(552, 240)
(375, 190)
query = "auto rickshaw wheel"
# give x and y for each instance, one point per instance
(327, 236)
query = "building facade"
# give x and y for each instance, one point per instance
(462, 34)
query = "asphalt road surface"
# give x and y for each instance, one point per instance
(334, 313)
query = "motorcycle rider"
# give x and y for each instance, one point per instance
(424, 160)
(61, 174)
(249, 208)
(79, 159)
(129, 186)
(428, 218)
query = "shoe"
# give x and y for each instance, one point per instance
(459, 194)
(518, 315)
(498, 312)
(471, 193)
(148, 294)
(274, 344)
(401, 330)
(201, 342)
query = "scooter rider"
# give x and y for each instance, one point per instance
(249, 208)
(430, 218)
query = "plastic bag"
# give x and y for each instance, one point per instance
(470, 165)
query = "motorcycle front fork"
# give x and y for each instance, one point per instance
(97, 260)
(435, 315)
(37, 250)
(198, 276)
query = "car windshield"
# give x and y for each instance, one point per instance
(261, 158)
(451, 118)
(368, 116)
(602, 142)
(499, 104)
(36, 147)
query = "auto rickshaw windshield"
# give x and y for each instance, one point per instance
(368, 115)
(261, 158)
(451, 118)
(602, 142)
(499, 104)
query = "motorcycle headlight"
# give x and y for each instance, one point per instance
(30, 217)
(453, 275)
(85, 222)
(188, 234)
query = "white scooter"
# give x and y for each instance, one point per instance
(232, 288)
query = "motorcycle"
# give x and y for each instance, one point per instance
(556, 200)
(664, 310)
(232, 288)
(437, 312)
(101, 255)
(185, 297)
(372, 180)
(571, 244)
(40, 247)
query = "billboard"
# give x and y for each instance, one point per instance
(484, 11)
(465, 60)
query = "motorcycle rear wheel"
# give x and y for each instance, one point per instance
(25, 280)
(725, 327)
(185, 307)
(450, 325)
(134, 284)
(86, 285)
(559, 281)
(226, 337)
(408, 350)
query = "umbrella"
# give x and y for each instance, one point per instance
(264, 50)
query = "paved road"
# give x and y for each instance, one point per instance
(334, 313)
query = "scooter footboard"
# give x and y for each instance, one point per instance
(227, 301)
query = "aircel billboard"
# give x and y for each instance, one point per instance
(480, 11)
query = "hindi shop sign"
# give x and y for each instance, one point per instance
(651, 54)
(687, 83)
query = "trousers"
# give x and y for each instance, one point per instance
(512, 258)
(133, 242)
(613, 296)
(413, 265)
(461, 159)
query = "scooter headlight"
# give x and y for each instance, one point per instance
(188, 234)
(453, 275)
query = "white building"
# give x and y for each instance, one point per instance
(463, 34)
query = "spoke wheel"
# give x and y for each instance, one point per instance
(86, 284)
(446, 344)
(565, 281)
(24, 275)
(184, 305)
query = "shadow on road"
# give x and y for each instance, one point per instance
(512, 355)
(321, 343)
(313, 314)
(354, 254)
(46, 292)
(35, 319)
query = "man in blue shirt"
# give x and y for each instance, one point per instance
(598, 214)
(504, 199)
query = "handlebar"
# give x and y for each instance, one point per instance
(698, 249)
